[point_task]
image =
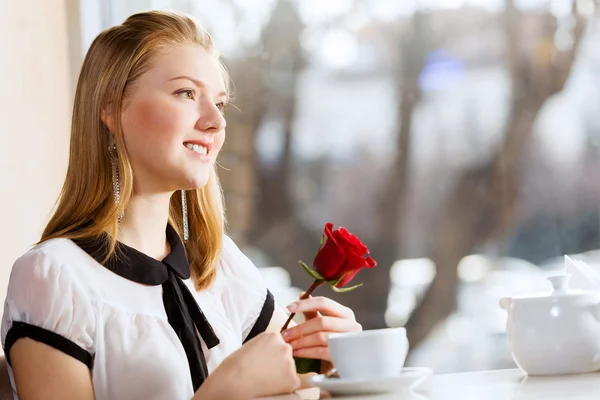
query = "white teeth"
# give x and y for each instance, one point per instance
(197, 148)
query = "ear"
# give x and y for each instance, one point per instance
(107, 117)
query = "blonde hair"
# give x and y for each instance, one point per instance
(86, 209)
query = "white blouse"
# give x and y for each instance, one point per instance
(113, 317)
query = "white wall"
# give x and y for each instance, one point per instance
(34, 121)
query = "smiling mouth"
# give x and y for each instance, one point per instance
(197, 148)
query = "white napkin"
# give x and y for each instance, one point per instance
(583, 276)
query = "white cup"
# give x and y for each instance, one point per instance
(377, 353)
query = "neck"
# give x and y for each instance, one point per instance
(144, 224)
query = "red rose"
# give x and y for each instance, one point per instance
(342, 255)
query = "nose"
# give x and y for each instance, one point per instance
(210, 119)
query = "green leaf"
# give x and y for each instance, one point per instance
(307, 365)
(311, 272)
(344, 290)
(322, 241)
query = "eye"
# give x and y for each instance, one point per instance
(221, 106)
(186, 93)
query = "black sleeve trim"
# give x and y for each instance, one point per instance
(21, 330)
(264, 318)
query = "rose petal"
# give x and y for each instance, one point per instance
(342, 255)
(371, 262)
(331, 256)
(353, 243)
(352, 263)
(329, 232)
(347, 278)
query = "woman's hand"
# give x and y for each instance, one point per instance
(323, 317)
(262, 367)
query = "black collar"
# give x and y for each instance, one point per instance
(137, 266)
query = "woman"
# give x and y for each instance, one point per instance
(134, 291)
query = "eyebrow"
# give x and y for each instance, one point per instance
(198, 83)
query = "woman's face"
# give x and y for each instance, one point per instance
(172, 121)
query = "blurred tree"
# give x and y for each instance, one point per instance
(265, 79)
(415, 44)
(411, 45)
(260, 207)
(239, 160)
(482, 206)
(281, 38)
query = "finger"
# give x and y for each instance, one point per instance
(323, 305)
(320, 353)
(326, 324)
(309, 314)
(313, 340)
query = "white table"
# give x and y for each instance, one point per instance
(509, 384)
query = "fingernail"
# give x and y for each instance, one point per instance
(285, 334)
(292, 307)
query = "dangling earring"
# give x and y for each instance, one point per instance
(112, 150)
(184, 212)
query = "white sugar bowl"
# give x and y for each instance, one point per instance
(556, 332)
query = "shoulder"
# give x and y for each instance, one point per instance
(46, 264)
(251, 299)
(44, 292)
(234, 261)
(229, 245)
(46, 274)
(43, 260)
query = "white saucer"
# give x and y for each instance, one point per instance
(408, 379)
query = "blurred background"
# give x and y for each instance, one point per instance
(457, 138)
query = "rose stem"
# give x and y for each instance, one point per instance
(311, 289)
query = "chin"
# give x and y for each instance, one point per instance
(198, 181)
